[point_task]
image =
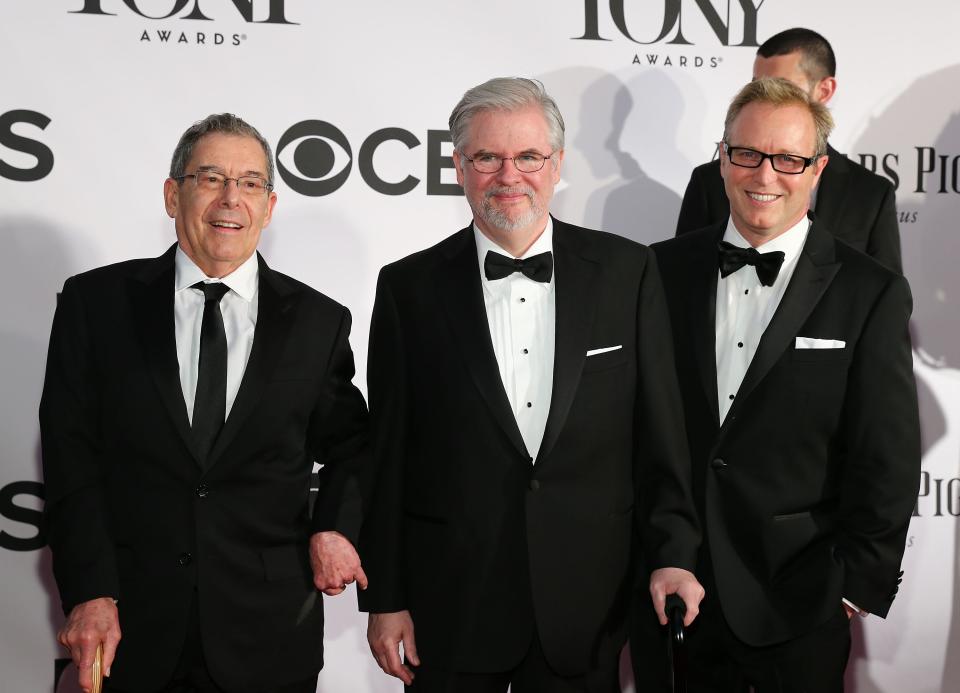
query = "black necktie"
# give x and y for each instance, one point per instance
(539, 268)
(733, 258)
(210, 402)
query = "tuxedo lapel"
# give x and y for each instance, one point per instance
(275, 302)
(458, 285)
(815, 270)
(152, 301)
(576, 278)
(702, 313)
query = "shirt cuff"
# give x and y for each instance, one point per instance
(856, 608)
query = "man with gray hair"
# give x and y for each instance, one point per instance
(186, 400)
(794, 360)
(527, 431)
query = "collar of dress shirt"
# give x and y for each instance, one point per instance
(543, 244)
(242, 281)
(790, 241)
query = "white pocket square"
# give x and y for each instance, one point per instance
(814, 343)
(603, 350)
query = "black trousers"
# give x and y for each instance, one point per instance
(192, 676)
(532, 675)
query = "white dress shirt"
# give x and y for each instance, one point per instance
(521, 314)
(239, 309)
(745, 308)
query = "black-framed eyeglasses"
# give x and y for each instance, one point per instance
(525, 163)
(213, 182)
(782, 163)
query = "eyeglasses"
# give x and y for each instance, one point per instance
(213, 182)
(782, 163)
(525, 163)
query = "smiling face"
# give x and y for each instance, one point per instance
(763, 202)
(220, 230)
(509, 207)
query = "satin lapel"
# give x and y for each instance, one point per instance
(832, 188)
(575, 286)
(275, 315)
(152, 301)
(703, 314)
(458, 285)
(815, 270)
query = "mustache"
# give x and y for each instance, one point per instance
(509, 190)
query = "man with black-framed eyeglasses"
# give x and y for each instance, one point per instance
(795, 366)
(186, 400)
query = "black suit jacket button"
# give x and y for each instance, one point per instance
(718, 464)
(534, 485)
(203, 491)
(184, 559)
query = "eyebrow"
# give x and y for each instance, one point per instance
(529, 150)
(218, 169)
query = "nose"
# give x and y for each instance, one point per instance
(508, 173)
(230, 195)
(765, 172)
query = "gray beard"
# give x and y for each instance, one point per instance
(498, 219)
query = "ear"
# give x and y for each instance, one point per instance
(557, 163)
(825, 89)
(818, 167)
(271, 203)
(171, 197)
(458, 165)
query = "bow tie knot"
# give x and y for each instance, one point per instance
(539, 268)
(732, 258)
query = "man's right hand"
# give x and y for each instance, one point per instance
(385, 634)
(89, 624)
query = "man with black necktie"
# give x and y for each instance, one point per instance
(186, 400)
(794, 361)
(527, 431)
(856, 205)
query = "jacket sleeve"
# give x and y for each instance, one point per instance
(84, 562)
(695, 207)
(884, 242)
(669, 525)
(381, 540)
(338, 436)
(882, 439)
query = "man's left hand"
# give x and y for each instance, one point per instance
(335, 563)
(684, 584)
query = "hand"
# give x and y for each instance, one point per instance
(851, 612)
(683, 583)
(335, 563)
(385, 632)
(89, 624)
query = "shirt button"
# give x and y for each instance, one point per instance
(529, 404)
(523, 300)
(203, 491)
(746, 291)
(184, 559)
(526, 351)
(731, 396)
(534, 485)
(740, 344)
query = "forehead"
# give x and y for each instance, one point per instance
(229, 152)
(774, 129)
(503, 131)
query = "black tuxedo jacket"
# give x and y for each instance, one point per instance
(133, 514)
(806, 490)
(479, 543)
(858, 206)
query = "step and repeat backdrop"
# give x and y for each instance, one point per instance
(355, 97)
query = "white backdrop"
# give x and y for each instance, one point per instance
(94, 99)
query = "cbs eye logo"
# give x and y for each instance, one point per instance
(314, 158)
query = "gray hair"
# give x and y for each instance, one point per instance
(777, 92)
(505, 94)
(224, 123)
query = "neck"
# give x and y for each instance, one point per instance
(515, 242)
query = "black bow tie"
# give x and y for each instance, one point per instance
(733, 258)
(539, 268)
